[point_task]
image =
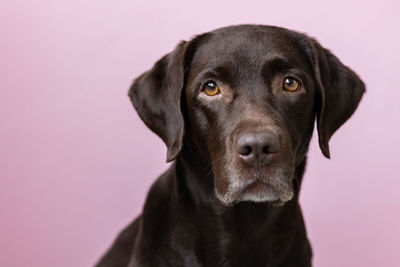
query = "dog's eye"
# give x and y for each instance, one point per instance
(211, 88)
(290, 84)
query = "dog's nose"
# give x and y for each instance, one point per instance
(256, 149)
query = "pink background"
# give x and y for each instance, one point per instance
(76, 161)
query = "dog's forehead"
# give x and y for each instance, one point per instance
(249, 45)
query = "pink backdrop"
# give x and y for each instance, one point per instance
(76, 161)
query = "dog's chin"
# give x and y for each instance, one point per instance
(260, 191)
(276, 189)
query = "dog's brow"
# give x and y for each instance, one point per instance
(278, 63)
(223, 73)
(220, 73)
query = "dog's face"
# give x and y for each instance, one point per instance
(250, 95)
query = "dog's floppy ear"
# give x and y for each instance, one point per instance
(339, 90)
(156, 97)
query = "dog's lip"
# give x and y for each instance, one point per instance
(258, 182)
(256, 185)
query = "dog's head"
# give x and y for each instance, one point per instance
(246, 98)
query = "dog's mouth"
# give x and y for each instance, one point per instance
(257, 187)
(273, 186)
(261, 188)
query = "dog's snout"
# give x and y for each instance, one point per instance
(256, 149)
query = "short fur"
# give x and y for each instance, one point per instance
(208, 208)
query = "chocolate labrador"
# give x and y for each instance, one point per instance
(236, 109)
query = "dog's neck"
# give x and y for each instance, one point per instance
(248, 224)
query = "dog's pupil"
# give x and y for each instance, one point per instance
(211, 85)
(290, 82)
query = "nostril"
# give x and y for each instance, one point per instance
(245, 151)
(265, 150)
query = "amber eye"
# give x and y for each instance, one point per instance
(211, 88)
(290, 84)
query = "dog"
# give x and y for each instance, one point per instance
(236, 109)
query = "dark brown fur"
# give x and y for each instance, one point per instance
(210, 208)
